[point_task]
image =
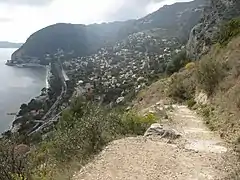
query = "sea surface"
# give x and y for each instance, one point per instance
(17, 86)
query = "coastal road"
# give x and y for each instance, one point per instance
(43, 124)
(46, 120)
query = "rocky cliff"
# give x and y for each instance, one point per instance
(202, 36)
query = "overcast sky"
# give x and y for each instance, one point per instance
(20, 18)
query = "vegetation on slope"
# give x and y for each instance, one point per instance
(178, 61)
(83, 130)
(217, 75)
(229, 30)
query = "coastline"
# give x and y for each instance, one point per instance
(15, 126)
(24, 65)
(48, 75)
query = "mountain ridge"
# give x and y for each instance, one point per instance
(87, 39)
(144, 76)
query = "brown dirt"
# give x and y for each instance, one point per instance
(199, 155)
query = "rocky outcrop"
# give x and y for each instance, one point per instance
(201, 98)
(203, 34)
(163, 132)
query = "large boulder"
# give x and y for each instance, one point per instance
(201, 98)
(157, 129)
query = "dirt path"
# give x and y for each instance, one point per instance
(198, 155)
(197, 135)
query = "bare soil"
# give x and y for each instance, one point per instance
(198, 155)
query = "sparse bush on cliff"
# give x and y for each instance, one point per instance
(13, 161)
(229, 30)
(135, 124)
(209, 73)
(191, 102)
(182, 86)
(178, 61)
(189, 66)
(84, 130)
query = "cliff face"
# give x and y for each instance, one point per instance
(176, 21)
(203, 34)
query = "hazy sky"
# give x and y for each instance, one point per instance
(20, 18)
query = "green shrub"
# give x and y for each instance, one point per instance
(12, 166)
(135, 124)
(182, 86)
(229, 30)
(84, 130)
(206, 111)
(210, 119)
(190, 65)
(191, 103)
(208, 74)
(178, 61)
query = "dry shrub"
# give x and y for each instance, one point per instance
(82, 132)
(228, 30)
(152, 94)
(14, 164)
(209, 73)
(228, 103)
(218, 74)
(182, 86)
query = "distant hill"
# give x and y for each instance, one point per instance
(5, 44)
(176, 20)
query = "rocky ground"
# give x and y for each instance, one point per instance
(198, 154)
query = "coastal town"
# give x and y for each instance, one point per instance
(125, 68)
(155, 97)
(24, 63)
(114, 75)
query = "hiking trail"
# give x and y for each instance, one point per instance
(199, 154)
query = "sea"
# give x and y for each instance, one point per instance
(17, 86)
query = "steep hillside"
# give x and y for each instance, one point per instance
(117, 62)
(177, 19)
(204, 34)
(223, 109)
(197, 154)
(80, 39)
(212, 85)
